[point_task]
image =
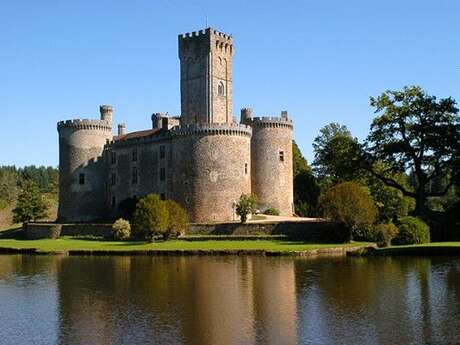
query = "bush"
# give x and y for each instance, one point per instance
(350, 204)
(412, 230)
(150, 218)
(121, 229)
(177, 219)
(246, 205)
(272, 211)
(384, 233)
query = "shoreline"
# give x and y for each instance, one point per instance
(335, 251)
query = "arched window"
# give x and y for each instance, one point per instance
(221, 89)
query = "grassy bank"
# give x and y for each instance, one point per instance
(434, 248)
(71, 243)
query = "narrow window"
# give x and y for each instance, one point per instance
(135, 155)
(246, 168)
(221, 89)
(162, 196)
(281, 156)
(114, 201)
(113, 179)
(113, 158)
(81, 179)
(162, 152)
(134, 177)
(162, 174)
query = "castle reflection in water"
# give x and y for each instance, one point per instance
(227, 300)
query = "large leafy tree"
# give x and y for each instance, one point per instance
(414, 132)
(337, 154)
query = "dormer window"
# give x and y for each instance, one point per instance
(221, 89)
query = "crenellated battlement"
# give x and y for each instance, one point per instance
(204, 33)
(272, 122)
(212, 129)
(87, 124)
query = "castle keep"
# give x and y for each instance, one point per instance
(204, 159)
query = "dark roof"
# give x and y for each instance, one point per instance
(138, 134)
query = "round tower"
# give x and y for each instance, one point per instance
(212, 167)
(82, 172)
(106, 113)
(271, 157)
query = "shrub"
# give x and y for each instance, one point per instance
(272, 211)
(150, 218)
(177, 219)
(412, 230)
(246, 205)
(384, 233)
(121, 229)
(350, 204)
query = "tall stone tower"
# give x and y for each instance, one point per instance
(82, 171)
(206, 77)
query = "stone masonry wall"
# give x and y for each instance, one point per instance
(206, 63)
(211, 171)
(80, 153)
(271, 154)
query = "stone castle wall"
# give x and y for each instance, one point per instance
(204, 168)
(211, 169)
(137, 169)
(81, 144)
(204, 161)
(271, 155)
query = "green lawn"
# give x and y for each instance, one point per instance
(70, 243)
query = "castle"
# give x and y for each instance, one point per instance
(204, 159)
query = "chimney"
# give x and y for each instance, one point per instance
(121, 129)
(164, 123)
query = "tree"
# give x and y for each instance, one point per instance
(299, 163)
(306, 188)
(391, 202)
(306, 194)
(337, 154)
(150, 217)
(245, 206)
(30, 205)
(414, 133)
(177, 220)
(350, 204)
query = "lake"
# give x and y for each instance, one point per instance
(229, 300)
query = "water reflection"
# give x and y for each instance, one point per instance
(228, 300)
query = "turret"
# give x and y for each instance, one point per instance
(271, 162)
(82, 175)
(121, 129)
(106, 113)
(246, 115)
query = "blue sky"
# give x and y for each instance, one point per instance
(320, 60)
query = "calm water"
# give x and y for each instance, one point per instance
(223, 300)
